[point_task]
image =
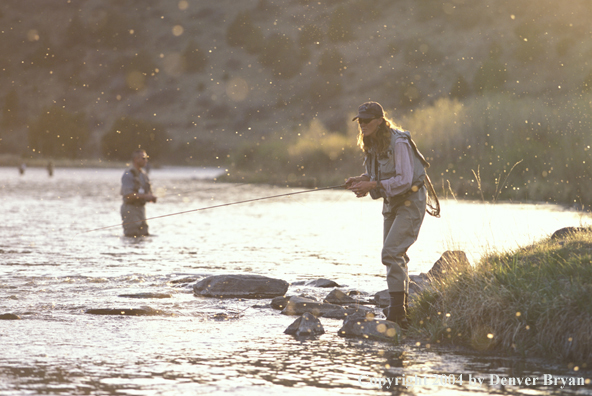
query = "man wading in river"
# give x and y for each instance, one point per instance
(136, 191)
(395, 171)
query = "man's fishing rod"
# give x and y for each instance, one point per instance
(174, 191)
(222, 205)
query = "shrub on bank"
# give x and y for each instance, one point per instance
(488, 135)
(492, 147)
(536, 301)
(312, 157)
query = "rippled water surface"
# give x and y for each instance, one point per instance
(53, 268)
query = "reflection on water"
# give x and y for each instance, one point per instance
(52, 271)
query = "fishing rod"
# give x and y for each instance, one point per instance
(174, 191)
(222, 205)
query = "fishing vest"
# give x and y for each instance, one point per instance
(381, 166)
(141, 184)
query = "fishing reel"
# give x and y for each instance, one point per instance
(378, 191)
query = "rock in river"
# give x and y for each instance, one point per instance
(340, 298)
(240, 286)
(144, 311)
(9, 316)
(382, 298)
(300, 305)
(146, 295)
(306, 325)
(280, 302)
(375, 329)
(322, 282)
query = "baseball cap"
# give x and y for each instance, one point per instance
(369, 110)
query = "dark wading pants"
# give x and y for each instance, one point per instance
(134, 220)
(401, 228)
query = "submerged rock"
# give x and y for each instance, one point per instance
(382, 299)
(279, 302)
(322, 283)
(306, 325)
(240, 286)
(450, 261)
(355, 293)
(340, 298)
(144, 311)
(182, 280)
(375, 329)
(146, 295)
(359, 311)
(300, 305)
(9, 316)
(220, 316)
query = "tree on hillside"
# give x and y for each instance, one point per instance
(310, 34)
(76, 33)
(141, 62)
(58, 133)
(532, 43)
(321, 90)
(587, 83)
(461, 89)
(281, 55)
(267, 9)
(113, 29)
(195, 58)
(340, 25)
(331, 62)
(243, 33)
(491, 76)
(10, 111)
(44, 54)
(128, 134)
(137, 68)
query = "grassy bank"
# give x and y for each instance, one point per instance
(535, 301)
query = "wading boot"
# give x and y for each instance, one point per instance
(397, 311)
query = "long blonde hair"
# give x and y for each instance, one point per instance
(380, 140)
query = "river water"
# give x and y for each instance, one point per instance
(53, 268)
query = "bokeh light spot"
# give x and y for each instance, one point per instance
(135, 80)
(237, 89)
(33, 35)
(178, 30)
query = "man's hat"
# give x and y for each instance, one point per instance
(369, 110)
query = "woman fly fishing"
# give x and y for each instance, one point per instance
(395, 171)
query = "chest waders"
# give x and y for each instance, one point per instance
(403, 215)
(133, 215)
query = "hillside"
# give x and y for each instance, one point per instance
(221, 75)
